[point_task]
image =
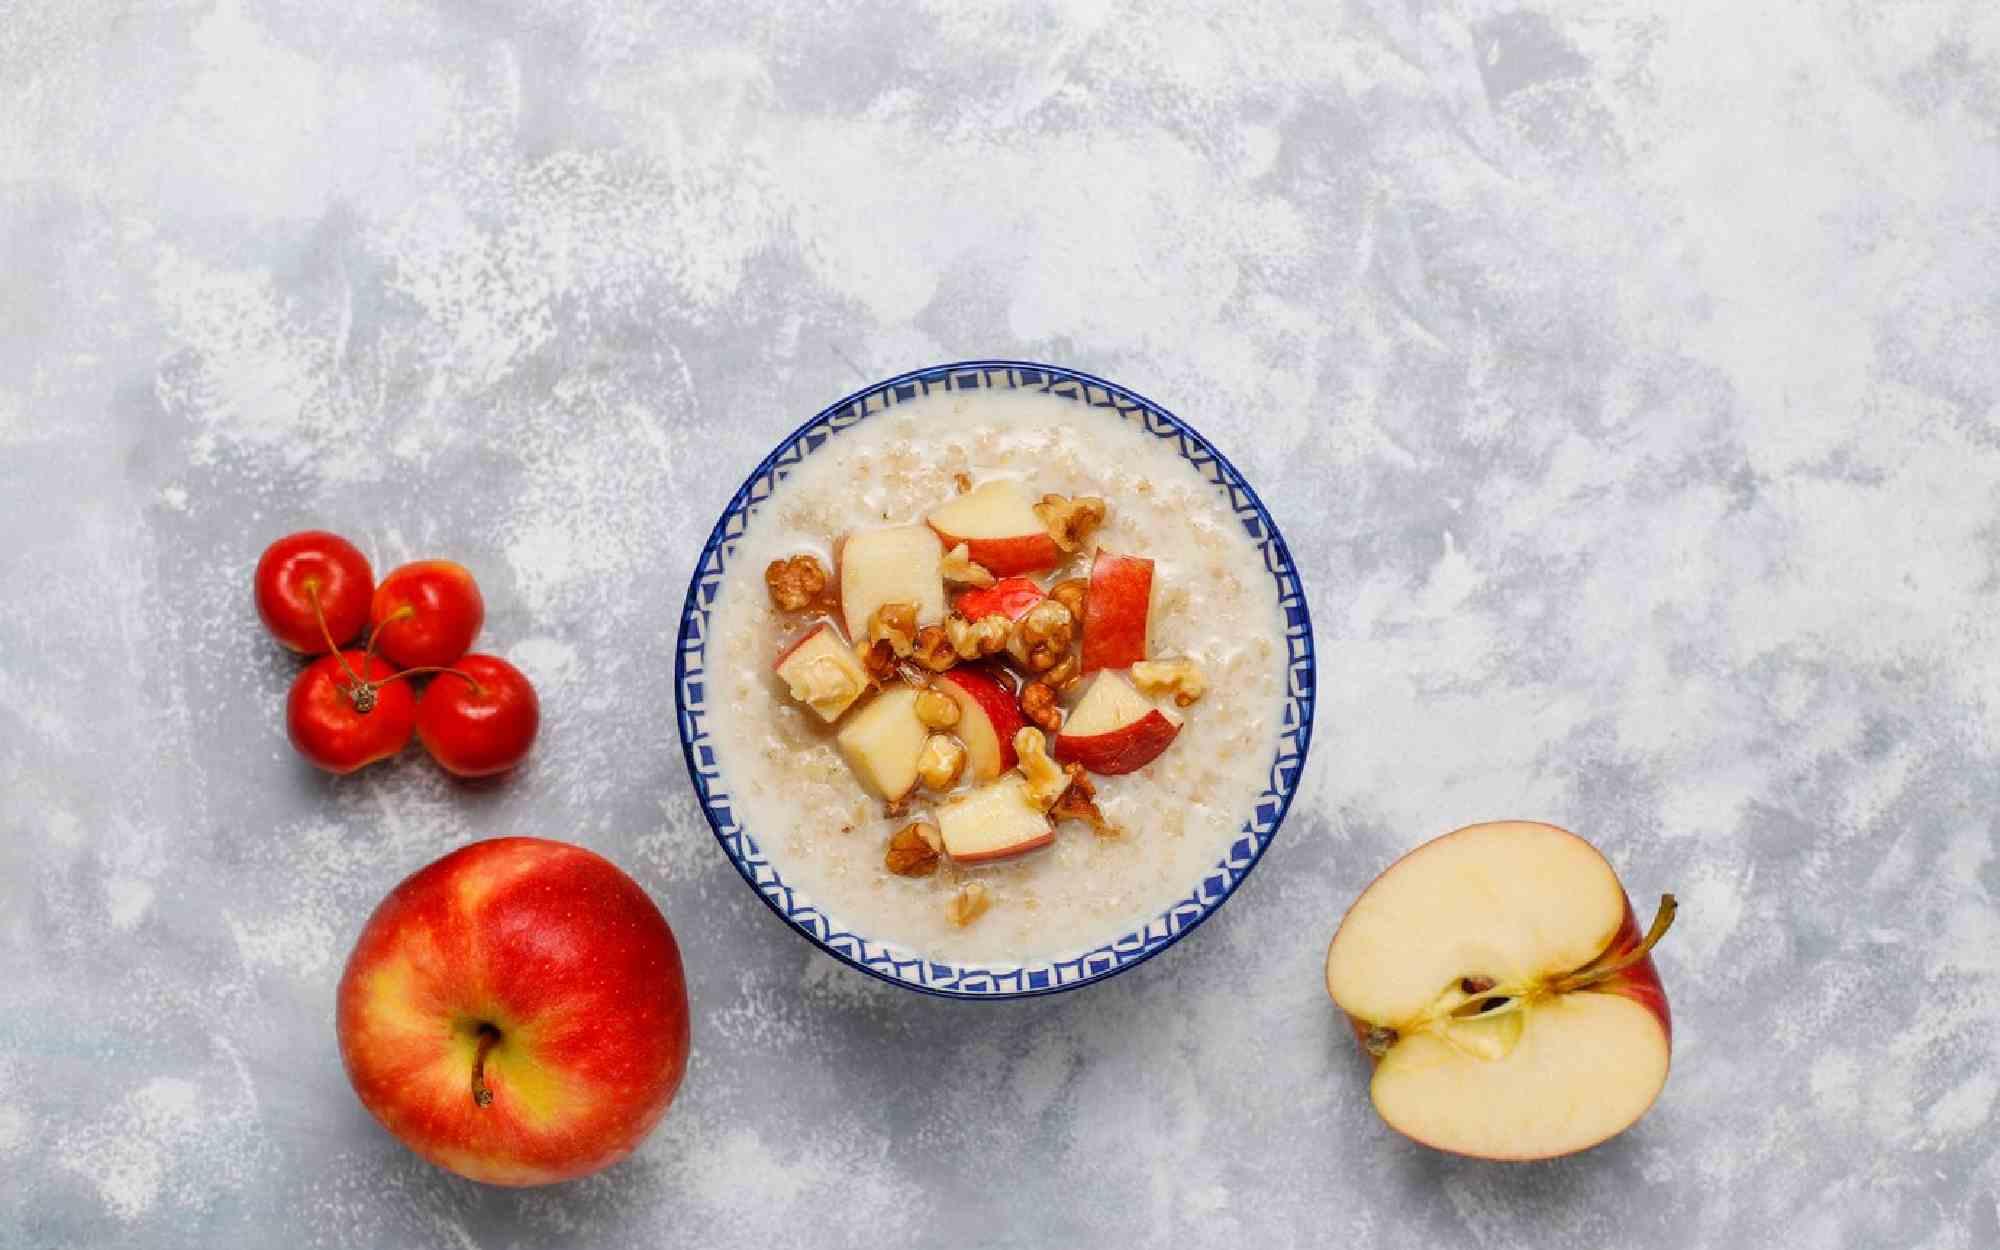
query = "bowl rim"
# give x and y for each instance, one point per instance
(1301, 679)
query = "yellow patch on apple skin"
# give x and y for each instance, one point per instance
(472, 888)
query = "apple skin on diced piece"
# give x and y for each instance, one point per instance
(1552, 1032)
(997, 523)
(1117, 611)
(822, 672)
(894, 564)
(988, 719)
(1010, 597)
(883, 743)
(1114, 729)
(997, 820)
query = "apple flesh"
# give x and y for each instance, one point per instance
(1499, 980)
(1117, 611)
(822, 672)
(988, 719)
(997, 523)
(516, 1013)
(884, 742)
(1115, 729)
(895, 564)
(998, 820)
(1010, 597)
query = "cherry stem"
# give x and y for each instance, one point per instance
(438, 668)
(1663, 920)
(312, 594)
(488, 1038)
(375, 634)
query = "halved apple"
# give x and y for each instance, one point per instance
(996, 521)
(988, 719)
(1117, 612)
(822, 672)
(883, 742)
(1010, 597)
(1115, 729)
(1499, 980)
(894, 564)
(994, 821)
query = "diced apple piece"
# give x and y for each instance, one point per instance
(884, 741)
(994, 821)
(1498, 978)
(1115, 729)
(896, 564)
(1117, 612)
(997, 523)
(988, 718)
(1010, 597)
(822, 672)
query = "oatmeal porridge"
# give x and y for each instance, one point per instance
(995, 677)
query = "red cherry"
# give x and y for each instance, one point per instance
(299, 568)
(427, 614)
(325, 713)
(481, 726)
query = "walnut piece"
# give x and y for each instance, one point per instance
(1038, 704)
(1071, 521)
(1181, 678)
(1046, 779)
(1067, 672)
(963, 481)
(796, 583)
(1079, 802)
(933, 649)
(895, 624)
(1042, 636)
(1070, 593)
(937, 711)
(974, 639)
(878, 660)
(913, 850)
(957, 565)
(969, 904)
(943, 759)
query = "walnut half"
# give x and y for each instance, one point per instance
(796, 583)
(943, 759)
(1042, 637)
(1079, 802)
(974, 639)
(1181, 678)
(1046, 778)
(1038, 704)
(895, 624)
(913, 850)
(1071, 521)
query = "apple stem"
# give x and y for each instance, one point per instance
(312, 595)
(436, 668)
(1663, 920)
(375, 634)
(488, 1038)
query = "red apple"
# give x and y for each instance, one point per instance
(1498, 978)
(1010, 597)
(347, 710)
(426, 614)
(894, 564)
(479, 719)
(1115, 729)
(1117, 611)
(997, 523)
(997, 820)
(516, 1013)
(988, 719)
(822, 673)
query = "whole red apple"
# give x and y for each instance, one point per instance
(516, 1013)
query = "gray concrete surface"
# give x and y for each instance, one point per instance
(1623, 374)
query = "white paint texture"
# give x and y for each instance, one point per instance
(1623, 375)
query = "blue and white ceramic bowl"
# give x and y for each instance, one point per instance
(1098, 400)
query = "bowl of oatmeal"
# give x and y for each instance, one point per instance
(995, 679)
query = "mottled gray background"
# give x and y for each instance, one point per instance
(1624, 374)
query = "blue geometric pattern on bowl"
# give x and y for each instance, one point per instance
(990, 981)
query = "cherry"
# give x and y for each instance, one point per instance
(479, 717)
(313, 590)
(348, 710)
(426, 614)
